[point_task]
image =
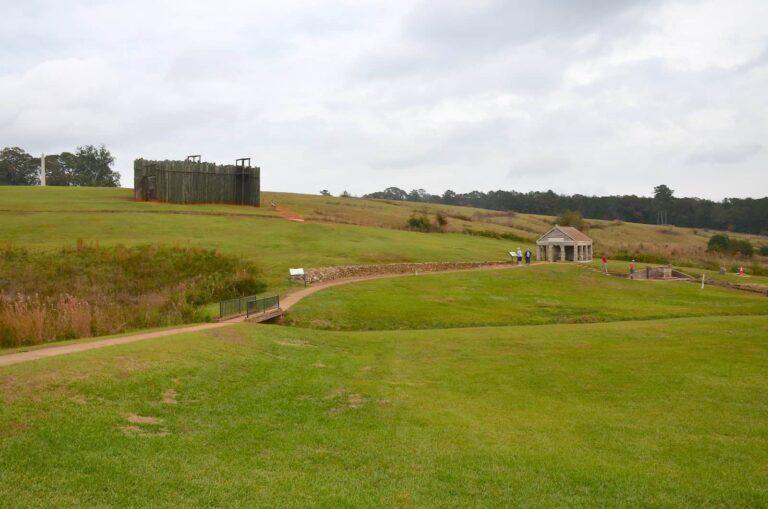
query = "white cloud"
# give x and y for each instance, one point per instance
(589, 97)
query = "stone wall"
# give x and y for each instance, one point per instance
(321, 274)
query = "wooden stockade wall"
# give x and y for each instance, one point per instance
(196, 182)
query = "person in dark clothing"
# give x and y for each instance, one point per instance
(528, 256)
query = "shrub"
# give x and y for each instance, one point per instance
(719, 243)
(419, 223)
(764, 250)
(742, 246)
(570, 218)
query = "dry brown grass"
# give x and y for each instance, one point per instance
(28, 320)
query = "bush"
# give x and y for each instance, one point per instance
(721, 243)
(419, 223)
(742, 246)
(570, 218)
(764, 250)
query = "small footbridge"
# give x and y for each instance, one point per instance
(252, 308)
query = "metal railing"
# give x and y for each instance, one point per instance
(260, 306)
(250, 305)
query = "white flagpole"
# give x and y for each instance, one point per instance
(42, 170)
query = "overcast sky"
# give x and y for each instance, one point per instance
(577, 96)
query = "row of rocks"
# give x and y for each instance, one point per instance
(736, 286)
(321, 274)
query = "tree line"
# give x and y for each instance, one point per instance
(86, 166)
(746, 215)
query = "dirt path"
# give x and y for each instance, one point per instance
(285, 303)
(53, 351)
(288, 214)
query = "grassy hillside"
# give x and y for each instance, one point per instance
(664, 413)
(49, 218)
(526, 295)
(647, 411)
(30, 208)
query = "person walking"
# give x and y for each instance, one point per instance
(528, 255)
(632, 269)
(519, 256)
(605, 263)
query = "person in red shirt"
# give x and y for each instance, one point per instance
(632, 269)
(605, 263)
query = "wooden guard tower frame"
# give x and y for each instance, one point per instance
(195, 181)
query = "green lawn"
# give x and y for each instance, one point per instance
(667, 413)
(553, 293)
(274, 243)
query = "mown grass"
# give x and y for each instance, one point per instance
(553, 293)
(338, 230)
(669, 413)
(274, 243)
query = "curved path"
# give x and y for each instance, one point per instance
(285, 304)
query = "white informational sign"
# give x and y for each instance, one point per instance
(296, 272)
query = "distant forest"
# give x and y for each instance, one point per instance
(745, 215)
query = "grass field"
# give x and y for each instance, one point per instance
(272, 242)
(663, 404)
(664, 413)
(526, 295)
(337, 231)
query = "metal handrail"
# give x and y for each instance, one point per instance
(250, 305)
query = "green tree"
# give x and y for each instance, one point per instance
(56, 173)
(91, 167)
(719, 243)
(570, 218)
(325, 192)
(662, 198)
(18, 168)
